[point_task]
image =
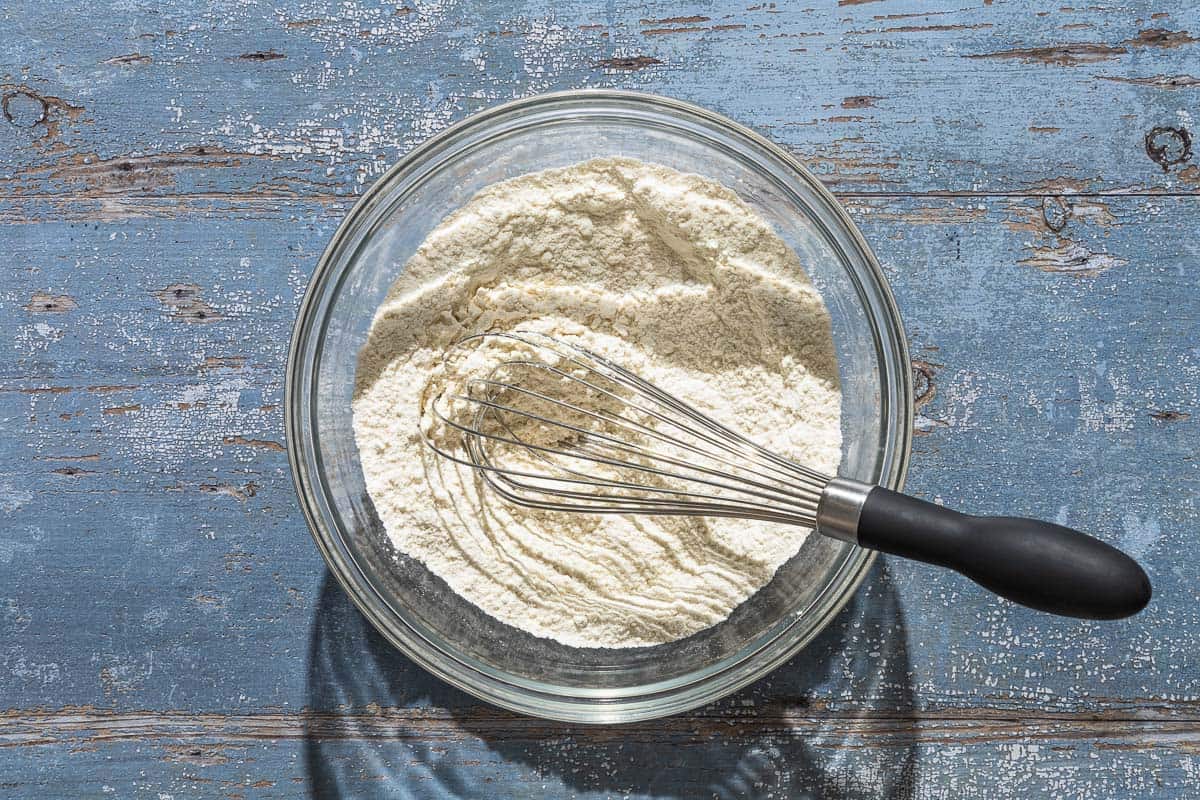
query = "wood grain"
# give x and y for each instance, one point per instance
(310, 99)
(1026, 175)
(490, 754)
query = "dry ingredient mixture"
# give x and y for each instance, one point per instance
(668, 273)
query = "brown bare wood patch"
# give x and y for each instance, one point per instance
(628, 63)
(674, 20)
(1071, 258)
(667, 31)
(73, 472)
(43, 303)
(130, 409)
(111, 387)
(88, 175)
(1058, 54)
(260, 55)
(927, 28)
(1160, 81)
(223, 362)
(87, 457)
(129, 59)
(1159, 37)
(239, 493)
(185, 305)
(265, 444)
(860, 101)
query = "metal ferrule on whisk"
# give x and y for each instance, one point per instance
(840, 507)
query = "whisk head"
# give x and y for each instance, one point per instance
(550, 425)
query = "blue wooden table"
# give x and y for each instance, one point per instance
(1028, 175)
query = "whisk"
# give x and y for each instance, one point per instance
(550, 425)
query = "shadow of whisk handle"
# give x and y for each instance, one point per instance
(1037, 564)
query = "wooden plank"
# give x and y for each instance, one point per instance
(317, 100)
(155, 559)
(477, 753)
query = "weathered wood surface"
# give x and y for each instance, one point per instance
(311, 98)
(167, 181)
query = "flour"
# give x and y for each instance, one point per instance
(667, 273)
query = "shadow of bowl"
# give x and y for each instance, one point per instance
(834, 722)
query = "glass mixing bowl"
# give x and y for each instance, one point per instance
(415, 609)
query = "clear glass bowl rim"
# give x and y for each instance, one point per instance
(552, 701)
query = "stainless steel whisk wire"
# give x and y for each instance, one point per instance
(738, 479)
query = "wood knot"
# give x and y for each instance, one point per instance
(42, 115)
(24, 109)
(1055, 213)
(1168, 146)
(923, 387)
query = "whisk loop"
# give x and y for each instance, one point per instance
(554, 426)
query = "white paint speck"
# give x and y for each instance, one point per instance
(1140, 534)
(12, 498)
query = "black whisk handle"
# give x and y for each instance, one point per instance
(1037, 564)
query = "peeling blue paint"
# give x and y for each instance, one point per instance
(167, 628)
